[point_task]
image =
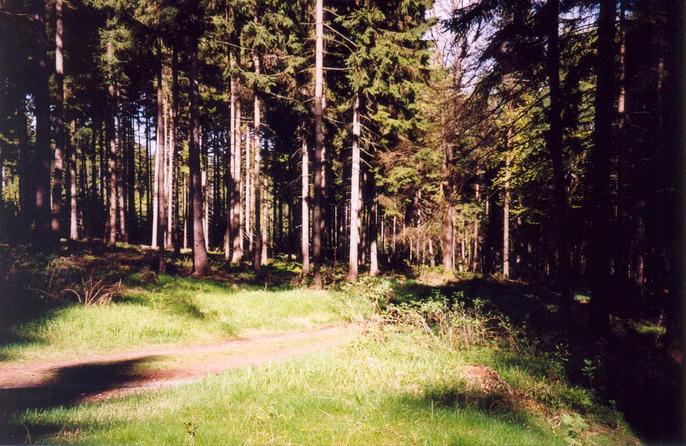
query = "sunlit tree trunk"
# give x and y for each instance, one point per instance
(231, 165)
(318, 224)
(160, 220)
(355, 199)
(257, 252)
(447, 232)
(248, 191)
(305, 211)
(73, 211)
(506, 208)
(237, 194)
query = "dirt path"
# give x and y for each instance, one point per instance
(103, 376)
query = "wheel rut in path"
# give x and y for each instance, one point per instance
(104, 376)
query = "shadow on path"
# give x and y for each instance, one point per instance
(67, 386)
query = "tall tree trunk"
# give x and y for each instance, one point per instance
(264, 209)
(318, 227)
(170, 147)
(257, 253)
(554, 146)
(174, 212)
(236, 193)
(112, 154)
(231, 164)
(73, 212)
(121, 178)
(248, 191)
(599, 255)
(159, 144)
(131, 216)
(58, 173)
(355, 200)
(26, 186)
(200, 260)
(373, 242)
(160, 218)
(447, 232)
(506, 208)
(305, 209)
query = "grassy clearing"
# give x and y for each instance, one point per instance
(393, 387)
(174, 310)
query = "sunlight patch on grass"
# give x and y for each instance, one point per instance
(177, 310)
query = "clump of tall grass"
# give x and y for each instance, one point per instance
(63, 281)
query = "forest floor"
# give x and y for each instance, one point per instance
(241, 359)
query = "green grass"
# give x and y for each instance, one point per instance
(176, 310)
(389, 389)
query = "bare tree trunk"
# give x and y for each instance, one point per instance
(58, 173)
(248, 191)
(237, 186)
(231, 168)
(554, 145)
(174, 212)
(447, 235)
(599, 258)
(200, 260)
(112, 156)
(185, 213)
(373, 242)
(265, 220)
(318, 227)
(305, 211)
(121, 178)
(169, 175)
(73, 213)
(160, 220)
(506, 208)
(42, 239)
(257, 253)
(206, 201)
(355, 199)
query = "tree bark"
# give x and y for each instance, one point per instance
(554, 146)
(355, 193)
(160, 220)
(200, 260)
(73, 212)
(305, 211)
(58, 172)
(599, 255)
(318, 227)
(447, 233)
(112, 154)
(506, 208)
(257, 253)
(231, 165)
(237, 187)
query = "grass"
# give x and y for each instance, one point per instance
(391, 388)
(405, 381)
(175, 310)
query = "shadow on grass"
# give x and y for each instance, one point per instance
(494, 406)
(68, 386)
(629, 368)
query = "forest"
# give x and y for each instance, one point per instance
(341, 221)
